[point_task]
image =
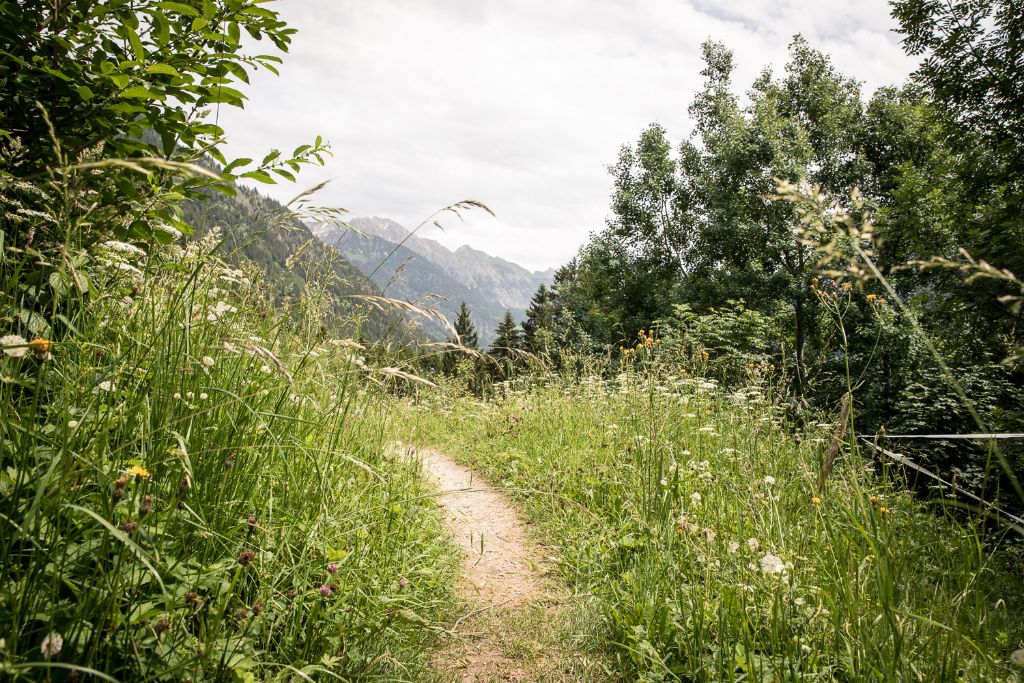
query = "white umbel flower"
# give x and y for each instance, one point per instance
(772, 564)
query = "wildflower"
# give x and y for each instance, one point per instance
(252, 520)
(208, 361)
(806, 649)
(874, 500)
(245, 557)
(871, 297)
(769, 480)
(138, 471)
(402, 583)
(332, 568)
(257, 608)
(753, 544)
(177, 395)
(265, 369)
(72, 424)
(52, 644)
(883, 509)
(14, 345)
(772, 564)
(710, 535)
(734, 546)
(41, 347)
(203, 396)
(121, 481)
(129, 527)
(241, 614)
(695, 498)
(799, 602)
(189, 395)
(146, 507)
(107, 385)
(325, 591)
(815, 500)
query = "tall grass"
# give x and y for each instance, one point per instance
(692, 514)
(195, 488)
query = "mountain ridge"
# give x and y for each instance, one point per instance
(420, 266)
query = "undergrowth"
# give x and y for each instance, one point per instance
(196, 488)
(690, 511)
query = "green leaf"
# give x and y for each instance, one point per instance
(166, 69)
(179, 8)
(140, 92)
(261, 176)
(236, 164)
(84, 92)
(136, 43)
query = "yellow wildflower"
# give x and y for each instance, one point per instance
(871, 297)
(816, 500)
(138, 471)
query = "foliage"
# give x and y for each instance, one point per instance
(195, 489)
(689, 511)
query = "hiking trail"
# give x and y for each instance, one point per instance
(513, 624)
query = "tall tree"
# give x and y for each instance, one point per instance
(465, 329)
(508, 339)
(540, 315)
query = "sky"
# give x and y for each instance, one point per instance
(521, 105)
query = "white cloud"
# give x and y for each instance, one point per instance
(521, 105)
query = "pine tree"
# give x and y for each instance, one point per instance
(540, 315)
(507, 338)
(465, 329)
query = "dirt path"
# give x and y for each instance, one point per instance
(512, 627)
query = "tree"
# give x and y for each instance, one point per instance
(465, 329)
(115, 97)
(508, 339)
(540, 316)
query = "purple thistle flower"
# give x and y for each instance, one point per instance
(325, 591)
(332, 568)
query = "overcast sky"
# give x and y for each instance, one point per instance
(520, 104)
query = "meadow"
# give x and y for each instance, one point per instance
(690, 512)
(196, 488)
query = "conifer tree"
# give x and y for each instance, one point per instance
(507, 338)
(465, 329)
(540, 315)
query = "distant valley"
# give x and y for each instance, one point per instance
(422, 268)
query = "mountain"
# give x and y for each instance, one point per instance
(423, 267)
(259, 229)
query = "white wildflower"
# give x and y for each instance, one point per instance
(203, 396)
(265, 369)
(52, 644)
(710, 535)
(772, 564)
(189, 395)
(208, 361)
(14, 345)
(753, 544)
(123, 247)
(769, 480)
(72, 424)
(177, 395)
(695, 498)
(106, 385)
(734, 546)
